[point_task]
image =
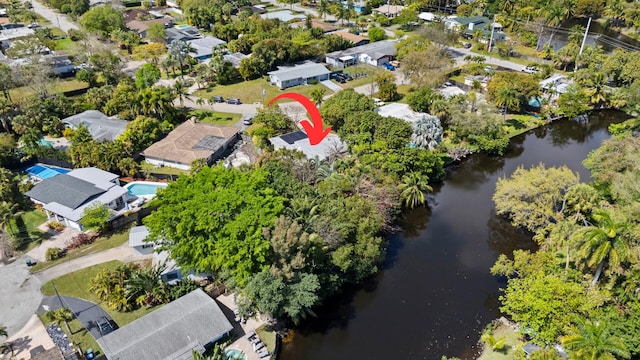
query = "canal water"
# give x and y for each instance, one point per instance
(434, 293)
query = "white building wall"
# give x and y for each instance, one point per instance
(167, 163)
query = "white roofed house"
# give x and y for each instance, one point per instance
(375, 54)
(65, 197)
(137, 237)
(288, 76)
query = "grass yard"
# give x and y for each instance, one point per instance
(76, 284)
(145, 167)
(268, 337)
(79, 336)
(250, 92)
(65, 44)
(511, 345)
(215, 117)
(102, 243)
(60, 86)
(518, 124)
(25, 227)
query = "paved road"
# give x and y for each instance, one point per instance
(459, 54)
(19, 295)
(56, 20)
(86, 312)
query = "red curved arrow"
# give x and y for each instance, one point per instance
(314, 129)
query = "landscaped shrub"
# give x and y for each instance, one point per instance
(53, 254)
(55, 225)
(79, 240)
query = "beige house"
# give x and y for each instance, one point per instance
(190, 141)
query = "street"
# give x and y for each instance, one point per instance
(57, 20)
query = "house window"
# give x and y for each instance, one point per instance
(172, 276)
(146, 246)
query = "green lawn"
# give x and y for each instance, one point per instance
(250, 92)
(102, 243)
(65, 44)
(268, 337)
(76, 284)
(512, 343)
(25, 227)
(79, 335)
(520, 123)
(61, 85)
(215, 117)
(166, 170)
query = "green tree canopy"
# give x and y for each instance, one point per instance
(95, 216)
(102, 20)
(338, 107)
(213, 221)
(530, 198)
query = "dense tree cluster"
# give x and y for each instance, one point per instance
(581, 287)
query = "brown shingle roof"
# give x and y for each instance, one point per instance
(179, 144)
(140, 26)
(351, 37)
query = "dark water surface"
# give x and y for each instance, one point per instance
(435, 293)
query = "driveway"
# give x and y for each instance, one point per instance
(331, 85)
(86, 312)
(58, 240)
(19, 295)
(56, 20)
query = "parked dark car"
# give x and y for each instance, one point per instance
(467, 45)
(247, 120)
(217, 98)
(234, 101)
(389, 66)
(104, 326)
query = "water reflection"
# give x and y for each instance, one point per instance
(435, 293)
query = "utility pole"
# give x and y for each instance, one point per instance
(493, 26)
(584, 39)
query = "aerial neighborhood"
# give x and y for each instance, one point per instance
(283, 179)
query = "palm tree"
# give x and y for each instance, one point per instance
(180, 50)
(603, 242)
(507, 98)
(596, 88)
(7, 212)
(146, 287)
(615, 10)
(413, 187)
(169, 63)
(200, 101)
(317, 96)
(62, 314)
(323, 8)
(180, 91)
(554, 16)
(593, 340)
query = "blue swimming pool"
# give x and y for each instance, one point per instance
(44, 172)
(142, 188)
(233, 354)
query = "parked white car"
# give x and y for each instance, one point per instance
(529, 70)
(377, 102)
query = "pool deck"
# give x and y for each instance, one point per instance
(240, 330)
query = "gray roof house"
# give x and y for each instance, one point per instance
(101, 126)
(192, 322)
(376, 54)
(298, 140)
(288, 76)
(204, 47)
(64, 197)
(137, 235)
